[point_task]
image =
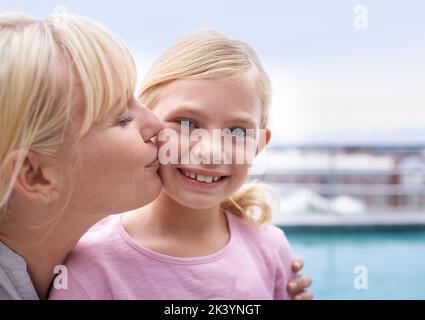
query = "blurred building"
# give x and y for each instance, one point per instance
(382, 177)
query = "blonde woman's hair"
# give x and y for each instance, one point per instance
(211, 55)
(48, 68)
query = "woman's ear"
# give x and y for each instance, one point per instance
(264, 139)
(37, 180)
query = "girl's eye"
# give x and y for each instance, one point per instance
(125, 121)
(236, 132)
(187, 123)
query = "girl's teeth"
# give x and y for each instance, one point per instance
(201, 178)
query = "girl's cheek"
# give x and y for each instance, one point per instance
(242, 154)
(250, 150)
(184, 146)
(242, 171)
(239, 176)
(168, 147)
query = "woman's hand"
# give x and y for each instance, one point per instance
(297, 286)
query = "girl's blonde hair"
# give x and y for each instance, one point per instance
(49, 68)
(210, 55)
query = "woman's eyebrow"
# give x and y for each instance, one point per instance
(117, 107)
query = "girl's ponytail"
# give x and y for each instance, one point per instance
(253, 202)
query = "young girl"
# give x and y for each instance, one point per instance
(205, 236)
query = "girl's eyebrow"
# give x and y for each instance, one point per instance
(246, 122)
(186, 110)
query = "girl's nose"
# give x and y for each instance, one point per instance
(208, 149)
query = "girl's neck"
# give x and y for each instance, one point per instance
(181, 219)
(43, 248)
(164, 221)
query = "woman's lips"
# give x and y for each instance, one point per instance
(153, 164)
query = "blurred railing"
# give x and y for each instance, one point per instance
(395, 190)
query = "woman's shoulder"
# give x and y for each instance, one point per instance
(96, 242)
(102, 230)
(95, 258)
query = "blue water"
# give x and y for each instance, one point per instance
(394, 261)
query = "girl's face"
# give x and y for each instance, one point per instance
(187, 105)
(117, 166)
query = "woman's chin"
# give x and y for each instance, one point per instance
(149, 194)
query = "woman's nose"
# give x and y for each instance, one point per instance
(150, 125)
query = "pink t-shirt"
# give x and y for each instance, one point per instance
(108, 264)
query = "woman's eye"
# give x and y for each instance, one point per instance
(236, 132)
(125, 121)
(187, 123)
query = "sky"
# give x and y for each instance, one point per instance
(329, 76)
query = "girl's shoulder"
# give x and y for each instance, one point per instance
(269, 236)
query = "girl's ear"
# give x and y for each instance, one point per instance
(36, 180)
(264, 139)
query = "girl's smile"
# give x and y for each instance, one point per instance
(201, 178)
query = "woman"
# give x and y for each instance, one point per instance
(75, 144)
